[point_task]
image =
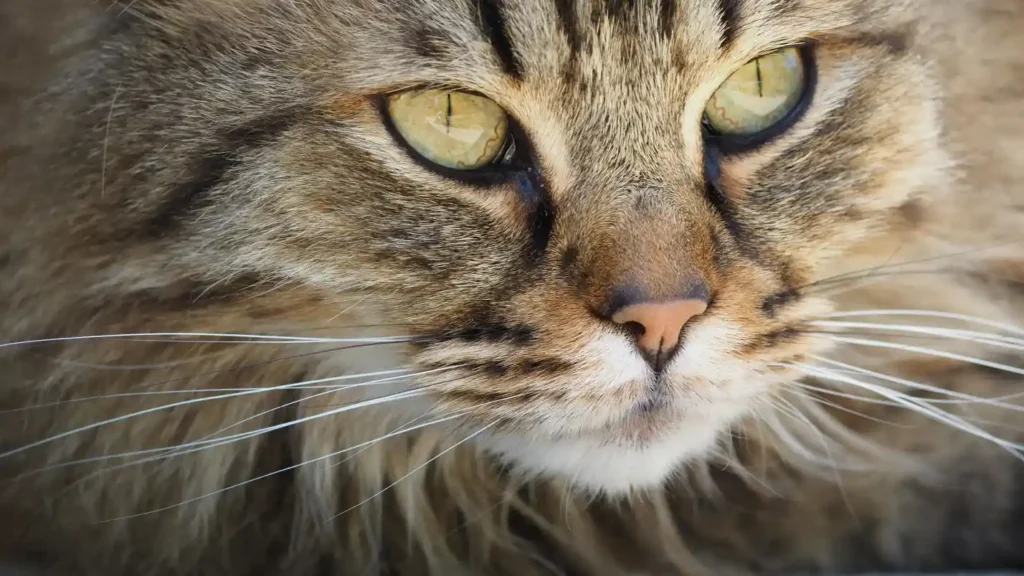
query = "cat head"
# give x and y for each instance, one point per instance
(598, 220)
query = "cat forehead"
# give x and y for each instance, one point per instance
(480, 43)
(580, 20)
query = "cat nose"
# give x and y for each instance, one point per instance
(658, 325)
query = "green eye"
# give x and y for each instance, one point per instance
(453, 129)
(759, 95)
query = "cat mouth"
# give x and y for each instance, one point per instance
(653, 402)
(645, 420)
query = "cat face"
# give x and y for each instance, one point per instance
(611, 277)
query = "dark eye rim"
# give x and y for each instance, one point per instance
(734, 144)
(512, 158)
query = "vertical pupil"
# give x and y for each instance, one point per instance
(760, 87)
(448, 114)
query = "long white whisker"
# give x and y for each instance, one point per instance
(919, 386)
(217, 442)
(913, 404)
(995, 400)
(178, 404)
(837, 406)
(232, 338)
(133, 367)
(399, 429)
(413, 421)
(106, 142)
(824, 444)
(286, 469)
(931, 314)
(840, 394)
(209, 442)
(167, 393)
(927, 351)
(415, 470)
(332, 391)
(789, 440)
(887, 267)
(843, 436)
(969, 335)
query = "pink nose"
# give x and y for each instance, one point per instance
(662, 322)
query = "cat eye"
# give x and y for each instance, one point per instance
(452, 129)
(759, 97)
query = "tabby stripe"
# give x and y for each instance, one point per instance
(895, 42)
(492, 24)
(275, 455)
(724, 206)
(618, 9)
(667, 18)
(729, 13)
(569, 24)
(210, 169)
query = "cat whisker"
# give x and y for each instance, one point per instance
(965, 398)
(130, 367)
(997, 400)
(927, 351)
(392, 379)
(273, 360)
(810, 395)
(301, 328)
(381, 340)
(350, 307)
(837, 393)
(909, 402)
(966, 335)
(930, 314)
(407, 425)
(286, 469)
(161, 393)
(855, 275)
(208, 338)
(411, 422)
(825, 441)
(179, 404)
(209, 442)
(859, 452)
(790, 441)
(106, 142)
(414, 471)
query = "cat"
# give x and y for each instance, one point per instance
(511, 286)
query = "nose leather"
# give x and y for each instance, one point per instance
(662, 322)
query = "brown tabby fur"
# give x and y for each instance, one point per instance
(219, 166)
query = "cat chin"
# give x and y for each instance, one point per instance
(606, 466)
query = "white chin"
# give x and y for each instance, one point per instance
(602, 466)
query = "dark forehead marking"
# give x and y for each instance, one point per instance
(427, 43)
(631, 13)
(895, 42)
(569, 25)
(618, 9)
(491, 21)
(729, 13)
(667, 17)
